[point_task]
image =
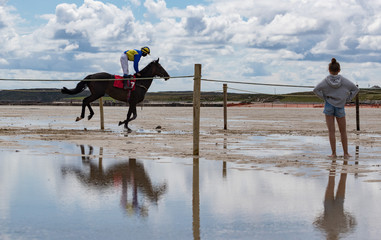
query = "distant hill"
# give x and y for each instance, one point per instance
(54, 95)
(50, 96)
(38, 95)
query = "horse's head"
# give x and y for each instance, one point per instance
(158, 70)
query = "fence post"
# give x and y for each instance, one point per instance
(225, 88)
(357, 111)
(101, 113)
(196, 109)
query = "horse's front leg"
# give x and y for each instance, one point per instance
(125, 122)
(134, 114)
(131, 111)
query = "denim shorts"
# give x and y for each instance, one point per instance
(333, 111)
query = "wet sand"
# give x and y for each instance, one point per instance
(259, 138)
(266, 177)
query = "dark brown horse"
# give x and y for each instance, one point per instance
(99, 88)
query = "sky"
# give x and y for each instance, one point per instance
(274, 42)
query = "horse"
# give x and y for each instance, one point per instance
(99, 88)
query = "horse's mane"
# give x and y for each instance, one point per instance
(148, 66)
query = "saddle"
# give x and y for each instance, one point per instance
(118, 83)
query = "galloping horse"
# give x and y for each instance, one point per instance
(99, 88)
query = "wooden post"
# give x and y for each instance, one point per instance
(196, 109)
(101, 113)
(225, 89)
(357, 112)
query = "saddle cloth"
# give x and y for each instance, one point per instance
(118, 83)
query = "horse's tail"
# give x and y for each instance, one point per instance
(79, 88)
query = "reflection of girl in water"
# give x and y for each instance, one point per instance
(335, 220)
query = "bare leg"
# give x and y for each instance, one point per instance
(330, 120)
(341, 122)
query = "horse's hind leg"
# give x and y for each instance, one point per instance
(91, 112)
(86, 103)
(82, 111)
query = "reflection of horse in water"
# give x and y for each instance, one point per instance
(131, 173)
(335, 220)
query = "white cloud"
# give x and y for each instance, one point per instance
(370, 42)
(291, 24)
(135, 2)
(3, 61)
(251, 40)
(94, 22)
(375, 26)
(158, 7)
(9, 36)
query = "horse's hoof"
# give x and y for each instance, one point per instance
(89, 117)
(120, 123)
(129, 130)
(78, 119)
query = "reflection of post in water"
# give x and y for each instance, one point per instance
(224, 163)
(224, 169)
(225, 142)
(100, 161)
(357, 158)
(196, 199)
(335, 220)
(125, 174)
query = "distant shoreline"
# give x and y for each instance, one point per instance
(187, 104)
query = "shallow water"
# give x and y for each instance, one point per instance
(56, 190)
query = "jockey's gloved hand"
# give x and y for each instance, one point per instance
(127, 76)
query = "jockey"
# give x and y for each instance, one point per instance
(133, 55)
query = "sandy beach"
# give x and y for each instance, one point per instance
(266, 177)
(261, 138)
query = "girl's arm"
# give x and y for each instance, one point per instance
(353, 90)
(318, 90)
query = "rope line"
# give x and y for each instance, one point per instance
(246, 91)
(86, 80)
(263, 84)
(31, 90)
(269, 94)
(155, 78)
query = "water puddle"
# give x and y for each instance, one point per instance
(57, 190)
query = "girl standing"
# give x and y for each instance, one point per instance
(336, 90)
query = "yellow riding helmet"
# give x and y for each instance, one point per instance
(146, 50)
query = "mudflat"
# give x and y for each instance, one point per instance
(258, 137)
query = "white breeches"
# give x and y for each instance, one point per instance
(124, 63)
